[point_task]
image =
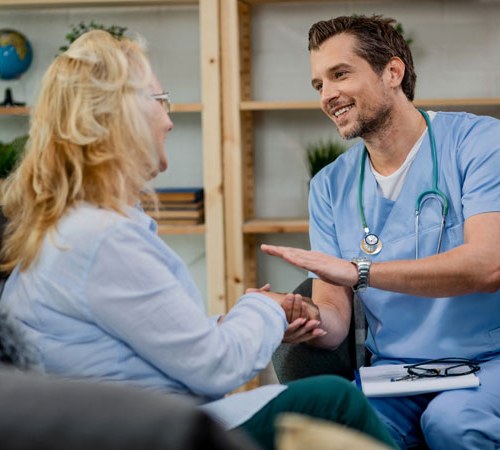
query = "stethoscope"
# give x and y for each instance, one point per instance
(371, 243)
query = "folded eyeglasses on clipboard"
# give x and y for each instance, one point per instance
(443, 367)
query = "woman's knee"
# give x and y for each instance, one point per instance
(334, 393)
(325, 386)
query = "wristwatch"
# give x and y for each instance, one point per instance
(363, 264)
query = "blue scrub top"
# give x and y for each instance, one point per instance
(401, 326)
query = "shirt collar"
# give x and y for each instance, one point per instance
(137, 214)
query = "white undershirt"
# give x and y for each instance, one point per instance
(390, 186)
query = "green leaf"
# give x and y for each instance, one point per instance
(322, 153)
(399, 28)
(10, 154)
(77, 30)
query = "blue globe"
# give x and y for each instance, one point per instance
(15, 54)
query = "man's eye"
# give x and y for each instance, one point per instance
(318, 87)
(339, 74)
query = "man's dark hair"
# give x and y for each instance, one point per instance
(377, 42)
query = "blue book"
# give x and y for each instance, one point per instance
(179, 194)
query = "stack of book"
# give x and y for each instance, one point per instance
(177, 206)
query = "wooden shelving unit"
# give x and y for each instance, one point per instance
(210, 110)
(239, 108)
(25, 110)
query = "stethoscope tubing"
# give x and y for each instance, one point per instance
(433, 193)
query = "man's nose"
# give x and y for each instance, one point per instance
(329, 93)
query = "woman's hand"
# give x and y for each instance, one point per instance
(301, 313)
(304, 319)
(265, 288)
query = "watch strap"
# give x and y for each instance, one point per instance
(363, 265)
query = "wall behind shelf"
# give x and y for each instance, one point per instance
(172, 34)
(282, 276)
(281, 168)
(455, 45)
(455, 50)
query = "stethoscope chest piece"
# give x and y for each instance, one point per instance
(371, 244)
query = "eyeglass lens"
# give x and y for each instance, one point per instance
(164, 101)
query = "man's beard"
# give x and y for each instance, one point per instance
(366, 126)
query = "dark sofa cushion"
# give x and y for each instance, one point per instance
(43, 413)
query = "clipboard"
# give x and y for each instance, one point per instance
(380, 381)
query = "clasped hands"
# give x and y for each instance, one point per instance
(304, 321)
(302, 314)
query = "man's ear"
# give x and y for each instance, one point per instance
(395, 71)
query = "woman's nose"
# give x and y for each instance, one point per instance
(170, 124)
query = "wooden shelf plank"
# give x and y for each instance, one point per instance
(14, 111)
(93, 3)
(25, 110)
(478, 101)
(260, 226)
(186, 107)
(181, 229)
(253, 105)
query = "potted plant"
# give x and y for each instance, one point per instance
(399, 28)
(10, 154)
(322, 153)
(77, 30)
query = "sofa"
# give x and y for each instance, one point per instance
(48, 413)
(295, 361)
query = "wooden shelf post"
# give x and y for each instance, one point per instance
(212, 156)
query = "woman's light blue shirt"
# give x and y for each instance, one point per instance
(108, 299)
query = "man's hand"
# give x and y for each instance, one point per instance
(336, 271)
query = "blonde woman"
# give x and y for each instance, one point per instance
(97, 292)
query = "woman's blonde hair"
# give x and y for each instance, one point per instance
(89, 140)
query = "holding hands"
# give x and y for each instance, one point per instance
(302, 315)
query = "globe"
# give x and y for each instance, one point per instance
(15, 54)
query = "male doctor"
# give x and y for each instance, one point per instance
(430, 287)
